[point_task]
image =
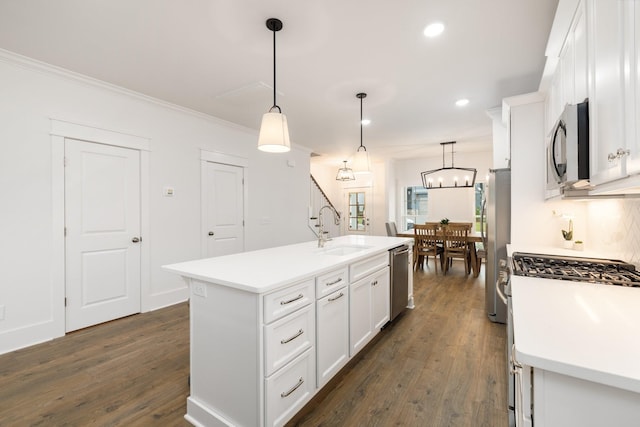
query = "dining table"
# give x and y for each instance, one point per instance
(472, 239)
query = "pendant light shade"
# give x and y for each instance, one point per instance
(345, 173)
(361, 162)
(274, 131)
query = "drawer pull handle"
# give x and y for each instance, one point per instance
(294, 388)
(374, 283)
(336, 297)
(300, 332)
(292, 300)
(334, 282)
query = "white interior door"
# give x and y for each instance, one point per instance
(358, 210)
(223, 208)
(102, 225)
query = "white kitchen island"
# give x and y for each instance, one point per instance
(269, 328)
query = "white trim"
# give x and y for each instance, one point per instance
(60, 131)
(226, 159)
(102, 136)
(39, 66)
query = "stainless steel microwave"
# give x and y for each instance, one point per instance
(568, 148)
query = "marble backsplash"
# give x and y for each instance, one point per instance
(614, 227)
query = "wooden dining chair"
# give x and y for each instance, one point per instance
(456, 245)
(426, 245)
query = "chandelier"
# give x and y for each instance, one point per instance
(449, 176)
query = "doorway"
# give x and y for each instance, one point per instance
(358, 203)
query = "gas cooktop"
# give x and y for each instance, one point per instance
(606, 271)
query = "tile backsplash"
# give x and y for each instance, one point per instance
(614, 227)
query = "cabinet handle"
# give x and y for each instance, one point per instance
(374, 283)
(294, 388)
(620, 153)
(292, 300)
(335, 298)
(334, 282)
(300, 332)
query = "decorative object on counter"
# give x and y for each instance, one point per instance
(345, 173)
(578, 245)
(449, 176)
(568, 236)
(361, 159)
(274, 131)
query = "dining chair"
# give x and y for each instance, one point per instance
(392, 230)
(425, 245)
(456, 245)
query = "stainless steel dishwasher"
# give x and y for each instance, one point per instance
(399, 263)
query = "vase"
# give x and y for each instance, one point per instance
(568, 244)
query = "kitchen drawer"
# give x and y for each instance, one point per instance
(331, 281)
(360, 269)
(286, 338)
(288, 300)
(289, 389)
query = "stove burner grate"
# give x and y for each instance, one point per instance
(591, 270)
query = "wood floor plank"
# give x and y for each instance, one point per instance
(441, 364)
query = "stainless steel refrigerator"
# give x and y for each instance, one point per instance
(497, 213)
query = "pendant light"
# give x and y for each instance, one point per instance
(361, 159)
(345, 173)
(274, 131)
(450, 176)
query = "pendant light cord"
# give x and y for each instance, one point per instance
(361, 96)
(275, 105)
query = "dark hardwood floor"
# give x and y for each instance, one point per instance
(441, 364)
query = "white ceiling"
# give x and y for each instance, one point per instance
(215, 56)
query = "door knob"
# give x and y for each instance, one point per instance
(135, 240)
(211, 233)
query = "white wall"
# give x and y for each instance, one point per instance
(457, 204)
(32, 94)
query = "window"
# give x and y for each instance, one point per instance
(478, 205)
(356, 211)
(414, 207)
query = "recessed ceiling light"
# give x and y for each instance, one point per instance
(462, 102)
(365, 122)
(434, 30)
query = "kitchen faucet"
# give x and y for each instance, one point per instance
(321, 233)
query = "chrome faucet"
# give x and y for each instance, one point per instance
(322, 235)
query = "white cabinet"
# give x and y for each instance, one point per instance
(332, 334)
(369, 308)
(606, 100)
(561, 400)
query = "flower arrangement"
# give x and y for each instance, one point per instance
(568, 234)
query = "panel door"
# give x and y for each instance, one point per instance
(223, 209)
(102, 221)
(358, 210)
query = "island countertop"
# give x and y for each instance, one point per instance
(266, 270)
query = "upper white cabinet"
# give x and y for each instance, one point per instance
(606, 47)
(632, 107)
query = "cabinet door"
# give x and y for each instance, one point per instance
(360, 320)
(606, 28)
(380, 303)
(332, 334)
(633, 94)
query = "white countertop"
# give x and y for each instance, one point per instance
(268, 269)
(584, 330)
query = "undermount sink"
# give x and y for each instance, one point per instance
(344, 250)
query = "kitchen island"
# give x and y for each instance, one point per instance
(269, 328)
(578, 345)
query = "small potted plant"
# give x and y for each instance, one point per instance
(443, 223)
(568, 236)
(578, 245)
